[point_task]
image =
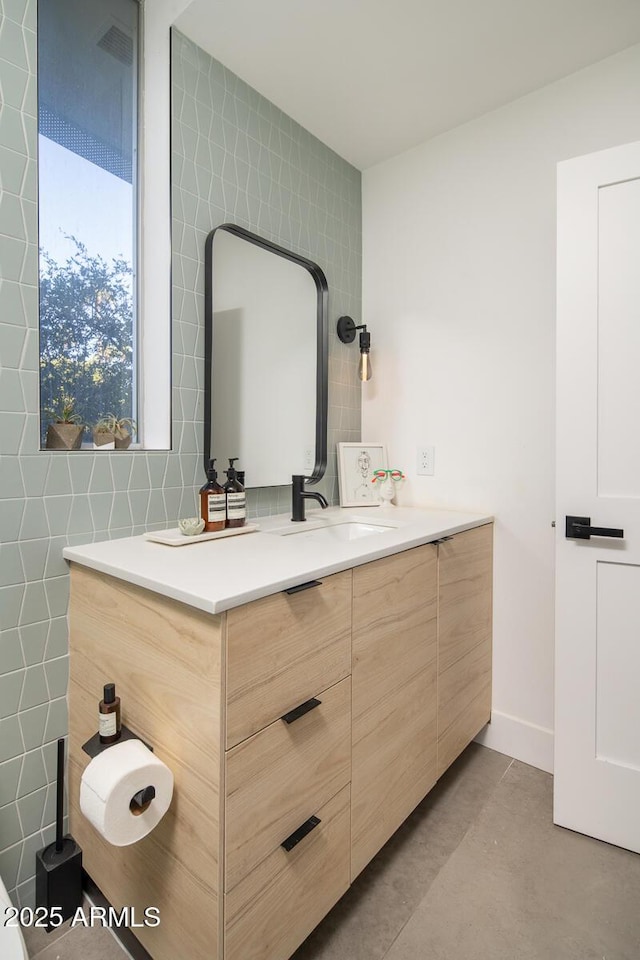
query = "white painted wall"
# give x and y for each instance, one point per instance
(459, 296)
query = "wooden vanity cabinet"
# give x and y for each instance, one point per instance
(271, 911)
(287, 766)
(214, 696)
(282, 650)
(166, 661)
(421, 677)
(389, 665)
(278, 778)
(465, 609)
(394, 695)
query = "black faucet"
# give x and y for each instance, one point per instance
(298, 497)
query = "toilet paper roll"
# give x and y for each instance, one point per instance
(108, 787)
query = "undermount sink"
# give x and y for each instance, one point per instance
(342, 532)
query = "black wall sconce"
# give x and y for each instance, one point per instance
(347, 334)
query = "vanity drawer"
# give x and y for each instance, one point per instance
(282, 649)
(307, 881)
(278, 778)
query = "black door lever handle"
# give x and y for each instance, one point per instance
(579, 528)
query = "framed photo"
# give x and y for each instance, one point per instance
(357, 463)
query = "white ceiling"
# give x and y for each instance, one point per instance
(372, 78)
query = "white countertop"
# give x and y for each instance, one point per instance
(216, 575)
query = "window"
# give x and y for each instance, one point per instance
(88, 216)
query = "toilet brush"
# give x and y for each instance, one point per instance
(59, 866)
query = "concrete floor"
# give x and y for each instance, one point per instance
(478, 872)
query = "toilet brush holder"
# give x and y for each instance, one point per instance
(59, 866)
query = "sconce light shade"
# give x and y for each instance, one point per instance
(347, 334)
(364, 367)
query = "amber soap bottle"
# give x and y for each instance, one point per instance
(109, 710)
(213, 501)
(236, 500)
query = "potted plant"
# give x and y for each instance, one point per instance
(124, 429)
(116, 431)
(103, 437)
(65, 433)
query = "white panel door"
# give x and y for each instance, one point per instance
(597, 697)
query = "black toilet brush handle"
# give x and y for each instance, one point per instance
(60, 796)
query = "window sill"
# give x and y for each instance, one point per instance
(90, 448)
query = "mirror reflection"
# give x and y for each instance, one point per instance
(265, 359)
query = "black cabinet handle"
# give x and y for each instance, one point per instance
(303, 586)
(579, 528)
(300, 711)
(300, 833)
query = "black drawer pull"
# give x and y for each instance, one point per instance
(303, 586)
(300, 711)
(300, 833)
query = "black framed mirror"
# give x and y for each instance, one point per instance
(266, 358)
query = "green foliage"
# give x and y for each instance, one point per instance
(120, 427)
(65, 413)
(86, 335)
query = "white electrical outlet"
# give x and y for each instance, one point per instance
(309, 460)
(425, 461)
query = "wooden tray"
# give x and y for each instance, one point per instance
(174, 538)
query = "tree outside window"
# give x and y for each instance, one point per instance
(87, 171)
(86, 336)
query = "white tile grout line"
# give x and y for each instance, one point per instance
(506, 771)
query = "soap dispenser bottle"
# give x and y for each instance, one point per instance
(213, 501)
(109, 715)
(236, 500)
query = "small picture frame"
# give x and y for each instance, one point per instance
(357, 463)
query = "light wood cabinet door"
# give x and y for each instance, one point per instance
(277, 905)
(278, 778)
(393, 695)
(282, 650)
(165, 659)
(464, 640)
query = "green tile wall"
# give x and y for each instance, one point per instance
(238, 158)
(235, 157)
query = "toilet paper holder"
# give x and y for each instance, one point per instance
(94, 746)
(141, 800)
(125, 794)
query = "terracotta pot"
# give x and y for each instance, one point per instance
(102, 437)
(64, 436)
(122, 443)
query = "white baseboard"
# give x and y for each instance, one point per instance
(519, 739)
